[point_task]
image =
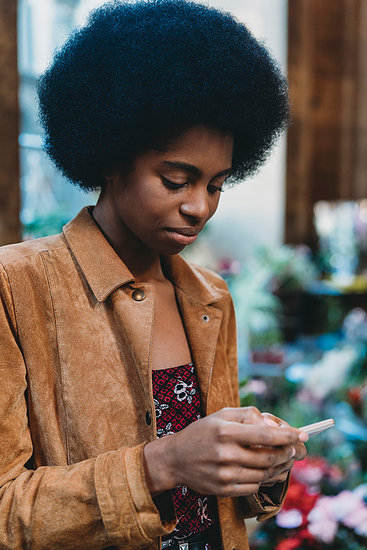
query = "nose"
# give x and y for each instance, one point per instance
(196, 204)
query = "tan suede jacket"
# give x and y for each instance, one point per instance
(76, 405)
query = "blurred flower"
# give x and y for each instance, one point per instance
(357, 519)
(355, 325)
(229, 266)
(289, 519)
(311, 470)
(330, 373)
(324, 530)
(303, 536)
(255, 386)
(361, 491)
(355, 396)
(299, 497)
(288, 544)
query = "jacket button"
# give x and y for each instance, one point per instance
(138, 295)
(148, 418)
(206, 318)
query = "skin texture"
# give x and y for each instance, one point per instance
(135, 209)
(236, 449)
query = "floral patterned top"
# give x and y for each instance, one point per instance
(177, 404)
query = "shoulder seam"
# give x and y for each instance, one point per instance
(34, 253)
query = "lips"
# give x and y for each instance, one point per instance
(183, 235)
(187, 231)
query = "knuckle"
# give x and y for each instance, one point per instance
(221, 431)
(224, 477)
(253, 411)
(265, 437)
(223, 456)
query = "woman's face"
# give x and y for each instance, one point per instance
(167, 197)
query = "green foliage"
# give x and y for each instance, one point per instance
(46, 225)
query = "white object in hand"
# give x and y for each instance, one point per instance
(318, 427)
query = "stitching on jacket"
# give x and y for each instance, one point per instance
(12, 300)
(62, 376)
(131, 500)
(212, 364)
(35, 252)
(101, 502)
(150, 363)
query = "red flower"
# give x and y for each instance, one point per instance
(355, 396)
(300, 498)
(291, 543)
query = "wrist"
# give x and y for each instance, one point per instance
(159, 466)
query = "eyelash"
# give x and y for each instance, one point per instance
(174, 186)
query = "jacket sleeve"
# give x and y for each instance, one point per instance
(91, 505)
(268, 501)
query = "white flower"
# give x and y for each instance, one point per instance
(165, 431)
(289, 519)
(324, 530)
(159, 407)
(184, 391)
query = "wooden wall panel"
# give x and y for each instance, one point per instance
(327, 141)
(9, 125)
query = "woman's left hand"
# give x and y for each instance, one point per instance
(300, 452)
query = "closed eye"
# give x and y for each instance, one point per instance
(175, 186)
(172, 185)
(213, 189)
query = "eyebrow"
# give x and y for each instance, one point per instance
(194, 170)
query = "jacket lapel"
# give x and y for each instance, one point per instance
(202, 323)
(136, 321)
(198, 300)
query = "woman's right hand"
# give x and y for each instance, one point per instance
(228, 453)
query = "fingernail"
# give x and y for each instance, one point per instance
(303, 436)
(270, 422)
(293, 452)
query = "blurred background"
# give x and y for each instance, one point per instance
(291, 241)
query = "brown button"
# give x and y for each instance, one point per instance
(138, 295)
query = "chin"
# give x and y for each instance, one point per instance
(170, 249)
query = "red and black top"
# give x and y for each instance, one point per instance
(177, 404)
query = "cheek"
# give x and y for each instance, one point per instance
(213, 206)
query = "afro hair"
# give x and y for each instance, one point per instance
(139, 73)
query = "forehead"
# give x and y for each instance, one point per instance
(201, 146)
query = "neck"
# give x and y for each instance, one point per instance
(143, 263)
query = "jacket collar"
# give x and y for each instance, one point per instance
(105, 271)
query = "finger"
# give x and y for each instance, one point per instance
(264, 458)
(243, 415)
(240, 490)
(260, 434)
(301, 451)
(269, 416)
(278, 421)
(275, 460)
(239, 475)
(280, 474)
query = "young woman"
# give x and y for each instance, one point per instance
(119, 407)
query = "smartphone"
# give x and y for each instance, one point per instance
(318, 427)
